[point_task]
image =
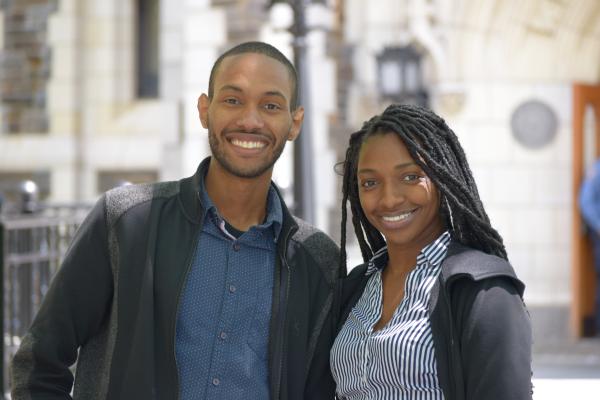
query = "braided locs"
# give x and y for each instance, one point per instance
(435, 148)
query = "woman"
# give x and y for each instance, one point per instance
(436, 311)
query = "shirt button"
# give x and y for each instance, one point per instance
(223, 335)
(236, 246)
(232, 289)
(216, 381)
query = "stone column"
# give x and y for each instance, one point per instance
(204, 32)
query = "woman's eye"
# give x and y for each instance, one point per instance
(369, 183)
(411, 177)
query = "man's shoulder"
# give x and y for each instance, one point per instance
(124, 198)
(311, 236)
(317, 243)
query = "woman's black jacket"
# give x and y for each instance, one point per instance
(481, 328)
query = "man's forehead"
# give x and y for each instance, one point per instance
(250, 58)
(252, 68)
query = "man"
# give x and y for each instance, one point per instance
(589, 203)
(206, 288)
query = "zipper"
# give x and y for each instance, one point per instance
(179, 293)
(283, 296)
(452, 341)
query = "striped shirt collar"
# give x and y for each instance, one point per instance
(434, 253)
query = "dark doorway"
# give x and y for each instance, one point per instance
(585, 98)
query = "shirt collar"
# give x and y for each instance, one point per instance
(274, 216)
(433, 253)
(274, 212)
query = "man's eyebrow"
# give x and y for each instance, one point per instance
(231, 87)
(275, 93)
(239, 90)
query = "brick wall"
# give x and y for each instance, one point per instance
(25, 65)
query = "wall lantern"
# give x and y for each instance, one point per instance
(400, 76)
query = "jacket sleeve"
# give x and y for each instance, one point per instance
(495, 341)
(72, 311)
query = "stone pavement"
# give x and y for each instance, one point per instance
(567, 372)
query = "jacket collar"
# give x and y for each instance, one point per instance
(462, 260)
(194, 210)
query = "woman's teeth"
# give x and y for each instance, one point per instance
(396, 218)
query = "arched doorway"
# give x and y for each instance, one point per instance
(585, 97)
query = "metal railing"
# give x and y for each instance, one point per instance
(32, 247)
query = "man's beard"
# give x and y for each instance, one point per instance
(216, 147)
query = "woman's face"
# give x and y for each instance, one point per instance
(395, 194)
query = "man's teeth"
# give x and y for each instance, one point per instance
(396, 218)
(248, 145)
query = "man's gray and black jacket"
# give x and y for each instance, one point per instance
(115, 300)
(481, 329)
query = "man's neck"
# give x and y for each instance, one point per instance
(241, 201)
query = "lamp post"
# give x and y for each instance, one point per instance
(303, 161)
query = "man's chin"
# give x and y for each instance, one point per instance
(246, 173)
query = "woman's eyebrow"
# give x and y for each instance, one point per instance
(399, 166)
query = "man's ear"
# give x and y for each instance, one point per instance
(297, 118)
(203, 103)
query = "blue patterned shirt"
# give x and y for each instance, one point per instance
(223, 318)
(397, 361)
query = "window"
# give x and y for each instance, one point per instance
(147, 48)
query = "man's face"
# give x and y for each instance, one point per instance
(249, 118)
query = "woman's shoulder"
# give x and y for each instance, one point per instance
(464, 261)
(358, 271)
(353, 286)
(356, 278)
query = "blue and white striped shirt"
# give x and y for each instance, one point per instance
(397, 361)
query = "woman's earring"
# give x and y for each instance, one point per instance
(449, 213)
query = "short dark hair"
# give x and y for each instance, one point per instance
(435, 148)
(258, 48)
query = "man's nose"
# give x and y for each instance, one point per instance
(250, 119)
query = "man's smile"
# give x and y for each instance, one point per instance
(246, 144)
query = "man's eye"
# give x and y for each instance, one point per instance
(232, 101)
(272, 107)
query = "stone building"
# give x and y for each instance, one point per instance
(506, 75)
(96, 92)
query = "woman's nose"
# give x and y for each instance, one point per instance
(392, 196)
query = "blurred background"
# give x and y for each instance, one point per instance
(96, 94)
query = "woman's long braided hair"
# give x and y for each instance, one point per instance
(435, 148)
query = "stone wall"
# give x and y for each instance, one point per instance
(25, 65)
(244, 19)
